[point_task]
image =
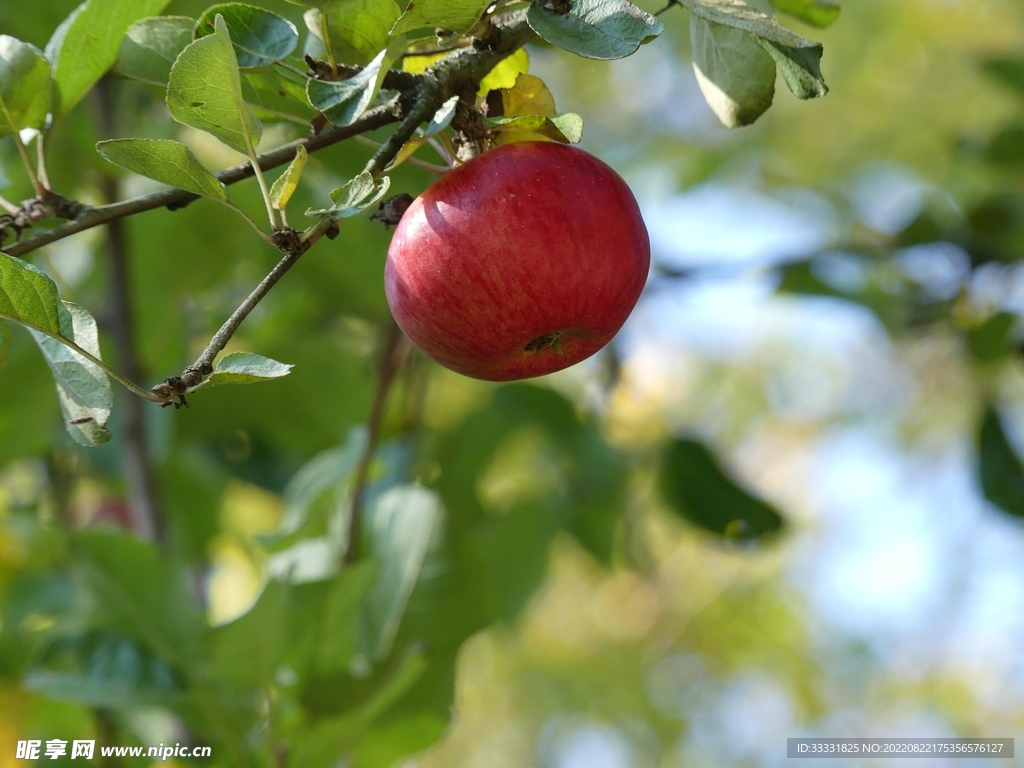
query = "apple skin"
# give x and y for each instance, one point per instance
(523, 261)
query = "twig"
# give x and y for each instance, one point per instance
(415, 161)
(394, 354)
(670, 4)
(8, 206)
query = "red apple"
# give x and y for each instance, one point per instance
(523, 261)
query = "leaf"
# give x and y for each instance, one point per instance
(999, 467)
(330, 471)
(246, 368)
(273, 96)
(339, 628)
(566, 128)
(134, 590)
(735, 74)
(82, 386)
(357, 195)
(260, 37)
(28, 296)
(247, 651)
(442, 118)
(817, 13)
(400, 528)
(529, 96)
(103, 669)
(1008, 71)
(25, 87)
(596, 29)
(87, 42)
(151, 46)
(358, 29)
(798, 58)
(455, 15)
(993, 339)
(695, 487)
(205, 92)
(343, 101)
(286, 184)
(506, 72)
(169, 162)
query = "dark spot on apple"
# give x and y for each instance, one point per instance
(547, 341)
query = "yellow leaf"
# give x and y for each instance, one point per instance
(406, 151)
(505, 72)
(529, 97)
(419, 64)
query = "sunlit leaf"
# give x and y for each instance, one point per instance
(286, 184)
(506, 72)
(529, 96)
(87, 42)
(260, 37)
(151, 46)
(596, 29)
(566, 128)
(169, 162)
(358, 29)
(246, 368)
(205, 92)
(343, 101)
(798, 59)
(25, 86)
(735, 74)
(82, 386)
(357, 195)
(999, 467)
(454, 15)
(694, 485)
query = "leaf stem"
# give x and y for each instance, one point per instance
(438, 169)
(44, 177)
(8, 206)
(29, 168)
(249, 220)
(264, 189)
(325, 35)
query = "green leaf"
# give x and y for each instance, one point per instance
(260, 37)
(817, 13)
(246, 368)
(134, 590)
(169, 162)
(82, 386)
(455, 15)
(306, 513)
(247, 651)
(400, 528)
(566, 128)
(999, 467)
(358, 29)
(798, 59)
(343, 101)
(694, 486)
(87, 42)
(993, 339)
(596, 29)
(205, 92)
(103, 669)
(151, 46)
(25, 87)
(339, 629)
(273, 96)
(357, 195)
(735, 74)
(286, 184)
(1008, 71)
(28, 296)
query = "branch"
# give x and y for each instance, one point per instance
(178, 198)
(392, 358)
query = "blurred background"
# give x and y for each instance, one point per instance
(833, 311)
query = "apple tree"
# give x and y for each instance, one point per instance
(196, 154)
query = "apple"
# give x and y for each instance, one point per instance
(523, 261)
